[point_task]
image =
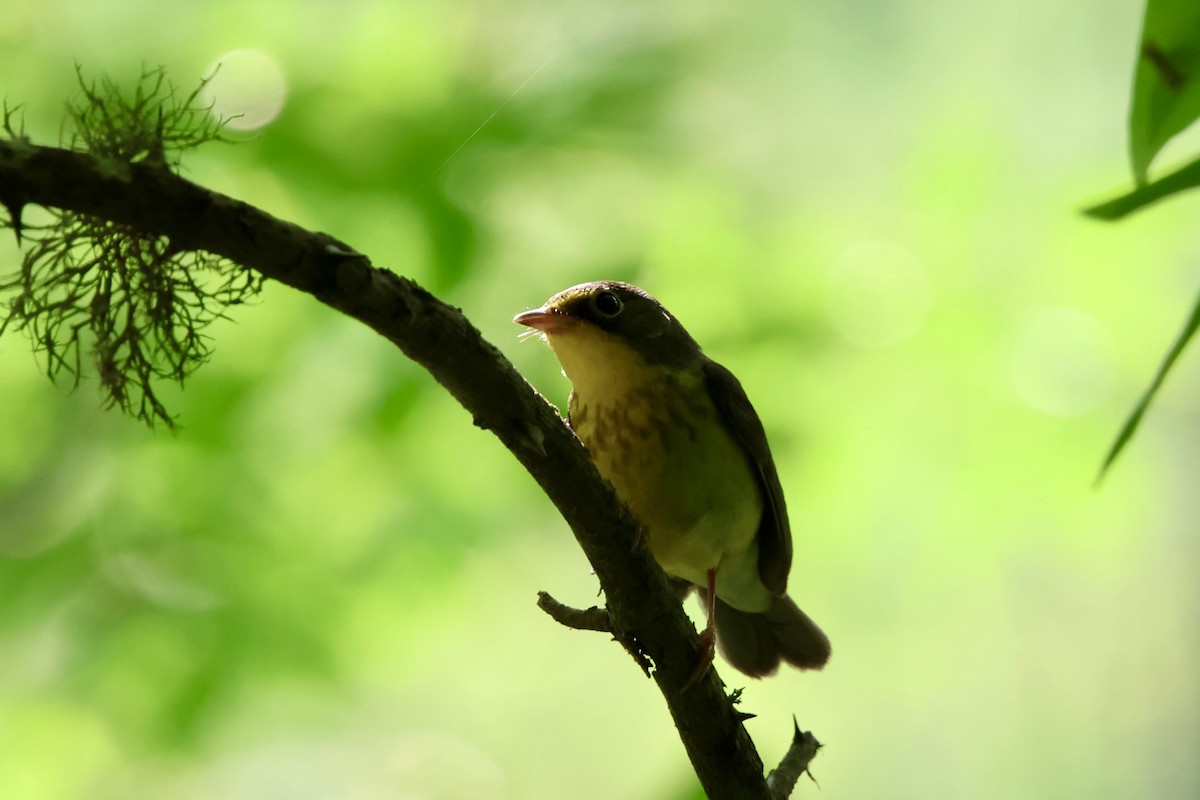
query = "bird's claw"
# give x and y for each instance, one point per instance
(708, 650)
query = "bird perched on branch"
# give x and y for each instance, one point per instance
(675, 434)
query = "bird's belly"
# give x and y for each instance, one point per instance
(688, 483)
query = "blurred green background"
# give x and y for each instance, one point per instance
(323, 584)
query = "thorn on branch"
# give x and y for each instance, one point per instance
(782, 780)
(14, 210)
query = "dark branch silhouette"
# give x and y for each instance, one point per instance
(643, 612)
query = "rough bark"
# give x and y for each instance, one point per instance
(644, 612)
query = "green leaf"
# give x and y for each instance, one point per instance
(1166, 82)
(1135, 417)
(1187, 177)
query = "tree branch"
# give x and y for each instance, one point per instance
(642, 607)
(794, 763)
(587, 619)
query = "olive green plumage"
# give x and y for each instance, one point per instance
(675, 434)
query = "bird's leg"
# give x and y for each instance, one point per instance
(640, 537)
(708, 636)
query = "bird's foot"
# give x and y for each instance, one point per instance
(640, 538)
(708, 651)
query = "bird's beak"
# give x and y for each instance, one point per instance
(546, 319)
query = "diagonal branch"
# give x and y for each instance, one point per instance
(641, 605)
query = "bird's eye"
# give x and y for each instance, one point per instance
(608, 304)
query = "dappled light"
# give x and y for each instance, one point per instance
(1063, 361)
(246, 88)
(322, 581)
(878, 294)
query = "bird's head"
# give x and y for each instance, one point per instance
(608, 331)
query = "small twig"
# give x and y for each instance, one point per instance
(782, 780)
(586, 619)
(594, 619)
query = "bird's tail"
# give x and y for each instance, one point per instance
(755, 643)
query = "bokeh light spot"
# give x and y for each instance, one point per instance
(246, 88)
(1062, 362)
(877, 294)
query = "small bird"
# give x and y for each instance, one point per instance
(676, 436)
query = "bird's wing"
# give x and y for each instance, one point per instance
(774, 533)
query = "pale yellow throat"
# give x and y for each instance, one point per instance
(655, 435)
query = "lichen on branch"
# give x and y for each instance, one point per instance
(125, 301)
(156, 123)
(151, 199)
